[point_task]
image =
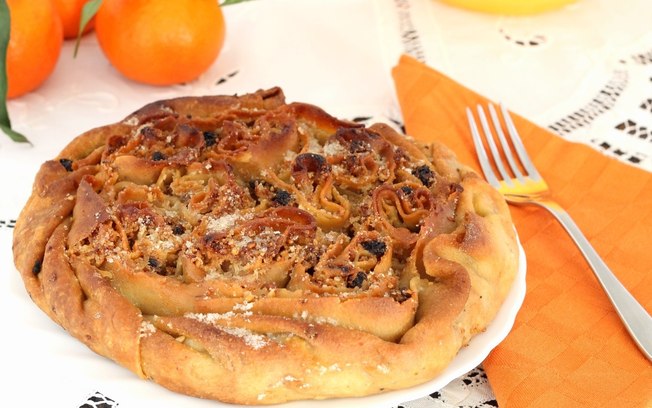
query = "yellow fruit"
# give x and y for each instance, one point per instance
(512, 7)
(160, 42)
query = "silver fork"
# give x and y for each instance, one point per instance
(529, 187)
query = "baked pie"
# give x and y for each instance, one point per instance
(249, 250)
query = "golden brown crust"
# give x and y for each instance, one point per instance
(251, 251)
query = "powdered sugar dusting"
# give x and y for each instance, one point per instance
(251, 339)
(209, 318)
(146, 329)
(131, 121)
(222, 223)
(314, 146)
(382, 368)
(331, 368)
(244, 307)
(334, 148)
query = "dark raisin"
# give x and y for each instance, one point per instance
(407, 190)
(344, 268)
(158, 156)
(358, 146)
(401, 295)
(251, 186)
(36, 269)
(153, 262)
(357, 281)
(424, 174)
(350, 231)
(66, 163)
(282, 197)
(148, 132)
(310, 271)
(377, 248)
(178, 229)
(209, 138)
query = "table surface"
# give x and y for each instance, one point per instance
(584, 72)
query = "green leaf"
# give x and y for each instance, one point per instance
(5, 31)
(230, 2)
(88, 12)
(13, 135)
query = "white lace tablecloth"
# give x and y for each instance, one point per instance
(584, 72)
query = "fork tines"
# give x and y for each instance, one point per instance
(521, 169)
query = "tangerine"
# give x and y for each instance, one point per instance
(35, 41)
(160, 42)
(70, 13)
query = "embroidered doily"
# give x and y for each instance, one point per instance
(583, 71)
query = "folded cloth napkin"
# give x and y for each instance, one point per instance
(568, 347)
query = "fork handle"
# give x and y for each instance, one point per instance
(636, 319)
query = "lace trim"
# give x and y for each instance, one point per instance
(99, 400)
(10, 223)
(471, 390)
(603, 101)
(410, 36)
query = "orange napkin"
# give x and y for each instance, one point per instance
(568, 347)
